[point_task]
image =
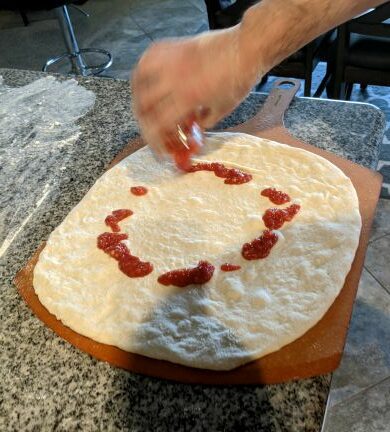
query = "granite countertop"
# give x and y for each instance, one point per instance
(47, 384)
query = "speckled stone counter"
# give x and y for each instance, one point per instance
(46, 384)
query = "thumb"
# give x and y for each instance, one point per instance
(207, 118)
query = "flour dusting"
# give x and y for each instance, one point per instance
(38, 125)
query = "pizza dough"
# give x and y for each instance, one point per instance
(184, 218)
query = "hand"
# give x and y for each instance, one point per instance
(203, 77)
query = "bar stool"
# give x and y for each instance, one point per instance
(74, 54)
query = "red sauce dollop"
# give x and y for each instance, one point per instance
(181, 153)
(229, 267)
(260, 247)
(106, 240)
(182, 156)
(275, 218)
(129, 264)
(133, 267)
(231, 175)
(275, 196)
(138, 190)
(198, 275)
(115, 217)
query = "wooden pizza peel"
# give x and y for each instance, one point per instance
(318, 351)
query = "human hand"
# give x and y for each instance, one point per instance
(200, 78)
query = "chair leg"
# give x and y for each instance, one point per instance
(24, 17)
(212, 7)
(337, 90)
(348, 91)
(309, 60)
(330, 87)
(261, 83)
(307, 89)
(324, 83)
(264, 79)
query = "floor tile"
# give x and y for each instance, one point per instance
(200, 4)
(8, 19)
(122, 29)
(168, 32)
(142, 5)
(12, 19)
(125, 55)
(181, 19)
(123, 38)
(378, 260)
(111, 26)
(33, 49)
(369, 411)
(381, 225)
(366, 358)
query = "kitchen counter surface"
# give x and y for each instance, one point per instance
(45, 383)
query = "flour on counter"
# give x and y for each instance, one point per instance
(38, 126)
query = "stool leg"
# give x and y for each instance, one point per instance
(70, 40)
(24, 17)
(348, 91)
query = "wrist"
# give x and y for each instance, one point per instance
(253, 54)
(266, 32)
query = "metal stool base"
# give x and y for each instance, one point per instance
(85, 70)
(75, 54)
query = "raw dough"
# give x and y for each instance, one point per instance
(237, 316)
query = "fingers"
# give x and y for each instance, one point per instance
(159, 127)
(207, 118)
(159, 113)
(177, 79)
(148, 91)
(152, 96)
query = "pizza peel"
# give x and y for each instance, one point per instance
(318, 351)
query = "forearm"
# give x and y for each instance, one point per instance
(273, 29)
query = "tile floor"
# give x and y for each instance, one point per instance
(360, 391)
(360, 396)
(123, 27)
